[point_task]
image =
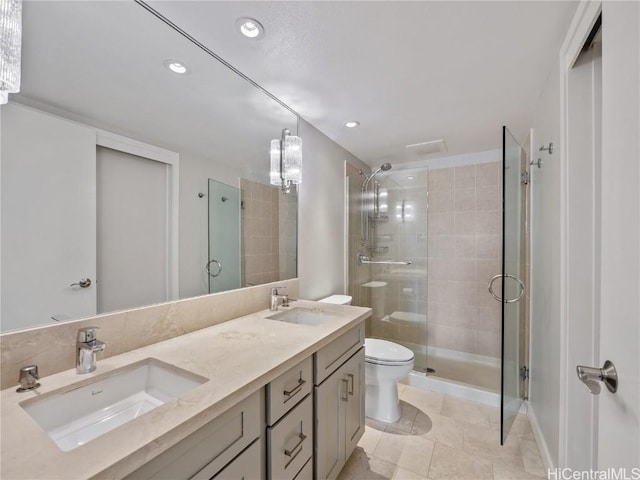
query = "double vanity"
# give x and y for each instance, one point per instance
(269, 395)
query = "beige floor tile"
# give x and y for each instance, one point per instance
(376, 425)
(470, 412)
(452, 464)
(407, 417)
(520, 426)
(439, 429)
(404, 474)
(531, 455)
(484, 441)
(370, 439)
(503, 472)
(410, 452)
(361, 466)
(428, 402)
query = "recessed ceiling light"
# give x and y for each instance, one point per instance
(250, 27)
(351, 124)
(176, 66)
(410, 177)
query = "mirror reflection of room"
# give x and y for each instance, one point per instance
(107, 156)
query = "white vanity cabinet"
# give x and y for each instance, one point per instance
(339, 402)
(217, 450)
(303, 425)
(290, 424)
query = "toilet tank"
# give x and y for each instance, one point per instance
(337, 299)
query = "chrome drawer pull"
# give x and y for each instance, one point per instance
(292, 392)
(292, 453)
(346, 390)
(350, 375)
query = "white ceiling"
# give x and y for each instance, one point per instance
(410, 72)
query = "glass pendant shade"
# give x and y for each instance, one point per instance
(292, 162)
(275, 163)
(10, 47)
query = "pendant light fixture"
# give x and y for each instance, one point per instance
(286, 161)
(10, 47)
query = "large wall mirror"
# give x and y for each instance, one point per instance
(126, 184)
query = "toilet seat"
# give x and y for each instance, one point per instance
(383, 352)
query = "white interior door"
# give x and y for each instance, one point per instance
(133, 230)
(48, 218)
(619, 413)
(583, 228)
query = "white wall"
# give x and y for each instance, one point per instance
(321, 210)
(544, 385)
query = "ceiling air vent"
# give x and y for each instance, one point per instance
(427, 148)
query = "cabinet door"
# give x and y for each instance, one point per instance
(246, 466)
(329, 431)
(354, 407)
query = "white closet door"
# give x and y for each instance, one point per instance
(48, 218)
(132, 230)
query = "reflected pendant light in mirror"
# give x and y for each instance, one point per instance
(286, 161)
(11, 43)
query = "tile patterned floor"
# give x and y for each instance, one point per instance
(442, 437)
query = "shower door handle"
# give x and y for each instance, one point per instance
(219, 265)
(506, 275)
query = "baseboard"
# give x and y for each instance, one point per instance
(542, 444)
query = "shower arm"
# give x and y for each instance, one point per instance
(364, 260)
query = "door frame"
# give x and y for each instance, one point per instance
(583, 21)
(172, 160)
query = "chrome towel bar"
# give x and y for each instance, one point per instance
(364, 260)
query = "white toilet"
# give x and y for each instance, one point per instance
(385, 364)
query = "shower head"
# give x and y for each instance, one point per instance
(367, 178)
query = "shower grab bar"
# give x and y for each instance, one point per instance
(512, 300)
(364, 260)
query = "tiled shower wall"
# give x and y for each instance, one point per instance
(464, 252)
(260, 229)
(269, 233)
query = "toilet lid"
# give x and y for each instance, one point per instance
(376, 349)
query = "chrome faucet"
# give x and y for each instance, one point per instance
(28, 378)
(275, 299)
(86, 348)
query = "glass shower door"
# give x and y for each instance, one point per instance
(512, 291)
(223, 267)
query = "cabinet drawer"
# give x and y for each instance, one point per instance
(211, 447)
(307, 471)
(246, 466)
(330, 357)
(291, 442)
(288, 389)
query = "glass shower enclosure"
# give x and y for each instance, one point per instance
(424, 245)
(224, 266)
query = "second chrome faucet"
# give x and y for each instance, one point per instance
(275, 299)
(86, 348)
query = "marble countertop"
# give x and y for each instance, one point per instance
(238, 357)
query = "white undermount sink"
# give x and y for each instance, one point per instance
(74, 417)
(304, 316)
